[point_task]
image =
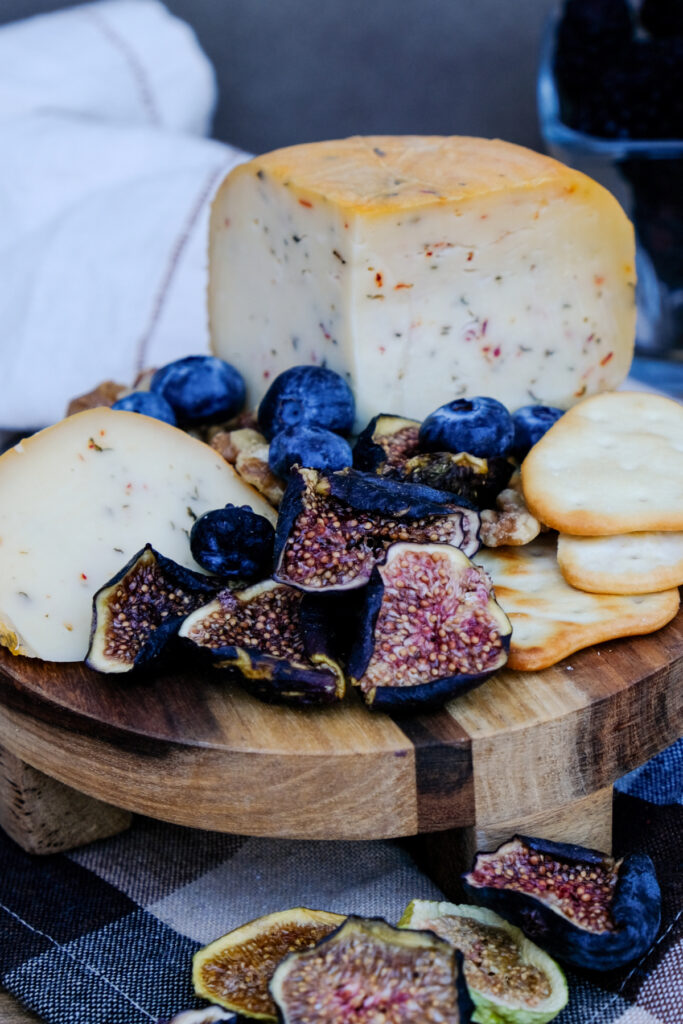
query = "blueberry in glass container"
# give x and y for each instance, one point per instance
(481, 426)
(201, 389)
(233, 543)
(531, 423)
(312, 447)
(311, 396)
(148, 404)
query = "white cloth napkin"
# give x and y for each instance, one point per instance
(105, 184)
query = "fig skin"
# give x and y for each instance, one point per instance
(196, 590)
(635, 909)
(313, 677)
(432, 693)
(375, 499)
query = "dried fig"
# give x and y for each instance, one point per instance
(431, 629)
(334, 527)
(581, 905)
(275, 639)
(367, 971)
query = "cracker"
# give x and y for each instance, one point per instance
(550, 619)
(627, 563)
(612, 464)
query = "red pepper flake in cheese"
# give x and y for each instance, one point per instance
(606, 359)
(83, 576)
(266, 374)
(305, 202)
(598, 280)
(401, 284)
(326, 334)
(379, 280)
(496, 351)
(470, 257)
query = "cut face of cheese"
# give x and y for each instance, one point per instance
(423, 269)
(78, 500)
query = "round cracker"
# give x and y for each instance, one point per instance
(627, 563)
(612, 464)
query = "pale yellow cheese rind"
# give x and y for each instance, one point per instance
(386, 173)
(78, 500)
(422, 269)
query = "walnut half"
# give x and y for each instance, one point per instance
(511, 522)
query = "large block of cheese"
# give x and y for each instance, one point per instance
(78, 500)
(423, 268)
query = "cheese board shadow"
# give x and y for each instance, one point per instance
(528, 751)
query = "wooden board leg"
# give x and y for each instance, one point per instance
(444, 856)
(45, 816)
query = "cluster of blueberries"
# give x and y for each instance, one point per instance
(306, 415)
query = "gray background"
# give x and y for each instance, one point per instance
(298, 70)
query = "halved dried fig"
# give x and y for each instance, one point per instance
(367, 972)
(334, 527)
(431, 629)
(275, 638)
(386, 444)
(510, 980)
(581, 905)
(140, 609)
(465, 476)
(234, 971)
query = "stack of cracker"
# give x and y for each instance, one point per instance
(608, 476)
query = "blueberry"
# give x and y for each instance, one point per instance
(531, 423)
(309, 446)
(201, 389)
(147, 403)
(480, 426)
(310, 396)
(233, 543)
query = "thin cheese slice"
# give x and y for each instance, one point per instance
(423, 269)
(78, 500)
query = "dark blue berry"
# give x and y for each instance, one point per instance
(201, 389)
(233, 543)
(531, 423)
(480, 426)
(147, 403)
(310, 396)
(308, 446)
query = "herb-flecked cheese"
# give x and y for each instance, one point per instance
(423, 269)
(78, 500)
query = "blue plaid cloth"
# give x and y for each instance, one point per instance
(105, 934)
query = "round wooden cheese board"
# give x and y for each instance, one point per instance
(529, 751)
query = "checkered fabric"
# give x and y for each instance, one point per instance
(105, 934)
